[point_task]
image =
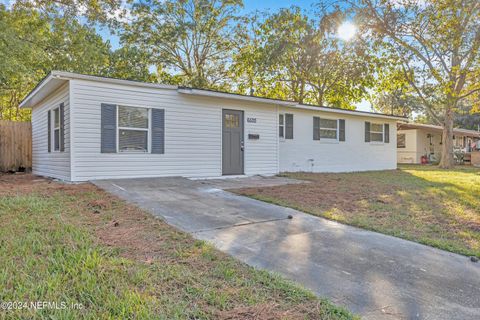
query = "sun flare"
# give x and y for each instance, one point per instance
(346, 31)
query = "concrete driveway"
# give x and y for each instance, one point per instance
(373, 275)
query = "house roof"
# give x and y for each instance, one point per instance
(236, 96)
(433, 128)
(56, 79)
(286, 103)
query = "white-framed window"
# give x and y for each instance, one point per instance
(328, 129)
(56, 129)
(281, 125)
(376, 132)
(133, 129)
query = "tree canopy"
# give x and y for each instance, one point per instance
(287, 55)
(32, 45)
(436, 45)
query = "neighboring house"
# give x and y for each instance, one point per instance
(416, 140)
(87, 127)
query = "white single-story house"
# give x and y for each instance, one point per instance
(415, 140)
(87, 127)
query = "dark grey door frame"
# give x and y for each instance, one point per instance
(232, 142)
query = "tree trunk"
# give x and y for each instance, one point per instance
(446, 161)
(302, 92)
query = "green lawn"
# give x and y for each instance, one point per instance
(105, 259)
(436, 207)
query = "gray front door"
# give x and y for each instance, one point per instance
(232, 142)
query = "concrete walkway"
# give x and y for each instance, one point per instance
(373, 275)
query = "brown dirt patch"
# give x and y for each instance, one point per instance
(328, 191)
(259, 312)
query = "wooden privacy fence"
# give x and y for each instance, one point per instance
(15, 146)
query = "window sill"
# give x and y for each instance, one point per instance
(328, 141)
(377, 143)
(133, 152)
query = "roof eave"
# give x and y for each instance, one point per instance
(39, 86)
(50, 82)
(458, 131)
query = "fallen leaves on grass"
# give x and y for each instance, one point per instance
(425, 204)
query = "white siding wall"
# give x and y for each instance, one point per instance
(193, 133)
(302, 153)
(54, 164)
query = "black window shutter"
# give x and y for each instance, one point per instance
(158, 131)
(386, 129)
(49, 130)
(341, 131)
(367, 131)
(108, 128)
(62, 127)
(316, 128)
(288, 126)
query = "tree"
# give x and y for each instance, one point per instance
(19, 31)
(93, 11)
(437, 43)
(129, 63)
(396, 102)
(342, 71)
(392, 93)
(190, 38)
(290, 37)
(32, 44)
(289, 56)
(249, 64)
(467, 118)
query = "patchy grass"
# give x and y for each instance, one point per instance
(436, 207)
(100, 258)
